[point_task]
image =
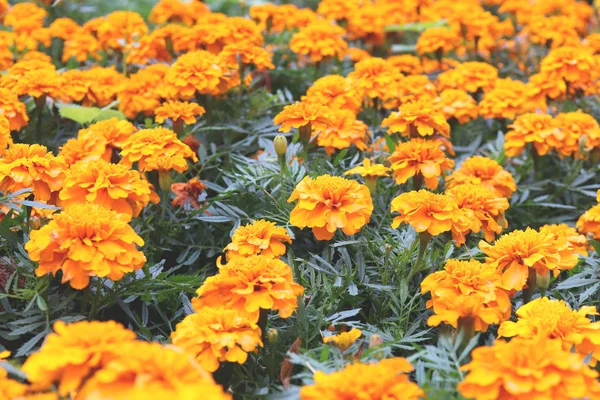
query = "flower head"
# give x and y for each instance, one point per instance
(368, 170)
(260, 237)
(373, 77)
(419, 156)
(336, 92)
(506, 100)
(13, 109)
(438, 40)
(485, 172)
(345, 339)
(576, 241)
(242, 54)
(113, 186)
(554, 319)
(119, 28)
(81, 46)
(214, 335)
(320, 41)
(407, 64)
(589, 222)
(249, 284)
(156, 149)
(187, 193)
(522, 368)
(537, 129)
(330, 202)
(427, 212)
(342, 132)
(5, 137)
(31, 166)
(195, 72)
(303, 113)
(387, 379)
(185, 12)
(467, 290)
(470, 77)
(86, 240)
(519, 251)
(574, 125)
(113, 130)
(178, 110)
(483, 210)
(575, 65)
(417, 119)
(456, 103)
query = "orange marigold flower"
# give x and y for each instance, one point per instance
(86, 240)
(244, 54)
(25, 18)
(575, 65)
(355, 54)
(520, 253)
(9, 388)
(438, 40)
(185, 12)
(388, 379)
(105, 83)
(114, 130)
(119, 28)
(339, 9)
(483, 210)
(336, 92)
(303, 113)
(456, 103)
(149, 145)
(342, 132)
(532, 369)
(373, 77)
(138, 94)
(368, 170)
(195, 72)
(574, 125)
(74, 86)
(542, 87)
(178, 110)
(330, 202)
(32, 77)
(112, 186)
(13, 109)
(149, 370)
(320, 41)
(31, 166)
(64, 28)
(407, 64)
(249, 284)
(215, 335)
(577, 242)
(81, 46)
(187, 193)
(418, 118)
(344, 340)
(592, 42)
(419, 157)
(506, 100)
(427, 211)
(74, 351)
(150, 48)
(469, 76)
(88, 148)
(467, 292)
(259, 237)
(484, 172)
(589, 222)
(409, 89)
(5, 137)
(534, 128)
(240, 30)
(368, 23)
(553, 31)
(554, 319)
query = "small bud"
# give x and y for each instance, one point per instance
(375, 340)
(164, 180)
(34, 222)
(305, 134)
(272, 335)
(543, 281)
(280, 143)
(388, 249)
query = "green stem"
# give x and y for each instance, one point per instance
(530, 289)
(40, 102)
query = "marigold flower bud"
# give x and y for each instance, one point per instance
(272, 335)
(280, 143)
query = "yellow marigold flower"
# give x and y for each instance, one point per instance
(528, 369)
(114, 131)
(387, 379)
(187, 193)
(506, 100)
(25, 17)
(113, 186)
(575, 125)
(484, 172)
(86, 240)
(249, 284)
(409, 89)
(215, 335)
(553, 31)
(320, 41)
(330, 202)
(368, 23)
(32, 77)
(81, 46)
(259, 237)
(345, 339)
(13, 109)
(5, 137)
(417, 119)
(483, 210)
(373, 77)
(575, 65)
(589, 222)
(138, 94)
(456, 103)
(336, 92)
(241, 29)
(577, 242)
(419, 157)
(119, 28)
(31, 166)
(542, 87)
(467, 292)
(195, 72)
(245, 54)
(64, 28)
(150, 48)
(73, 352)
(178, 110)
(368, 170)
(338, 9)
(105, 84)
(303, 113)
(185, 12)
(151, 371)
(469, 76)
(88, 148)
(427, 211)
(146, 146)
(538, 129)
(438, 40)
(342, 132)
(554, 319)
(274, 18)
(407, 64)
(519, 253)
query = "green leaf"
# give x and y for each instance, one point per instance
(404, 48)
(87, 115)
(596, 245)
(108, 114)
(415, 26)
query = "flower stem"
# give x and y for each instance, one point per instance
(530, 289)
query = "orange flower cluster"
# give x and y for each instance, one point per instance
(260, 237)
(319, 41)
(484, 172)
(538, 129)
